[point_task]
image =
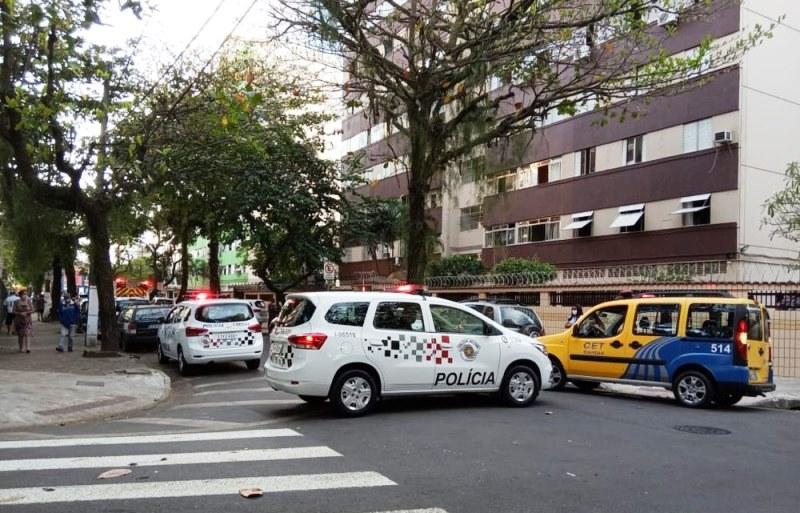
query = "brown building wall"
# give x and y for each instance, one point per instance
(711, 242)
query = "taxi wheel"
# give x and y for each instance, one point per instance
(162, 358)
(354, 393)
(693, 389)
(727, 399)
(520, 386)
(558, 378)
(183, 366)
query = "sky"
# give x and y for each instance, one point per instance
(169, 25)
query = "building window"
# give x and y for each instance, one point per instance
(555, 169)
(634, 149)
(695, 210)
(630, 219)
(698, 136)
(581, 224)
(473, 169)
(500, 235)
(471, 218)
(503, 182)
(538, 230)
(434, 199)
(585, 161)
(388, 47)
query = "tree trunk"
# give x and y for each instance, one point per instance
(69, 271)
(184, 263)
(103, 272)
(418, 187)
(213, 264)
(55, 287)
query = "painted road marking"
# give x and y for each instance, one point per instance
(195, 488)
(150, 439)
(152, 460)
(195, 423)
(262, 379)
(223, 404)
(238, 391)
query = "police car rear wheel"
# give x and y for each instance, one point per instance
(520, 386)
(253, 364)
(161, 356)
(693, 389)
(558, 378)
(354, 393)
(183, 366)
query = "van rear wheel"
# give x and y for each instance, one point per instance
(693, 389)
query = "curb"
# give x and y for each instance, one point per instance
(775, 403)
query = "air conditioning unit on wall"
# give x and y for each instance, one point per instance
(724, 137)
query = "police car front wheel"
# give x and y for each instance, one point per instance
(520, 386)
(354, 393)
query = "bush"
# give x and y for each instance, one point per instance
(455, 265)
(544, 270)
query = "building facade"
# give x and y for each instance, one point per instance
(684, 181)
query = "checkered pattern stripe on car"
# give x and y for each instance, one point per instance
(284, 357)
(414, 348)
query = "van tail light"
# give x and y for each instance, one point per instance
(131, 327)
(308, 340)
(195, 332)
(255, 328)
(740, 355)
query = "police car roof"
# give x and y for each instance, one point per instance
(195, 302)
(349, 295)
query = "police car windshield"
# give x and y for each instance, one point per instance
(224, 312)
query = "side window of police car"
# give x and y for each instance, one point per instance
(398, 316)
(603, 323)
(347, 314)
(453, 320)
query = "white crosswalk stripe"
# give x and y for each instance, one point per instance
(225, 404)
(195, 488)
(36, 487)
(261, 380)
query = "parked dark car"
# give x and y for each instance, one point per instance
(138, 325)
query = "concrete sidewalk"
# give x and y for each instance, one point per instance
(48, 387)
(785, 397)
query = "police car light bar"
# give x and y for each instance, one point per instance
(411, 289)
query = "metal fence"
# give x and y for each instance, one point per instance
(775, 286)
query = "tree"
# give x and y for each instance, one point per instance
(783, 207)
(455, 265)
(375, 223)
(53, 84)
(428, 70)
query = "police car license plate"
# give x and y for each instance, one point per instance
(753, 375)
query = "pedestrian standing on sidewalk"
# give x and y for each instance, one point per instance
(9, 304)
(38, 304)
(69, 314)
(23, 321)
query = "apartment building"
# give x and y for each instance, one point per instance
(684, 181)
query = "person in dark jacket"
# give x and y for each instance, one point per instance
(69, 315)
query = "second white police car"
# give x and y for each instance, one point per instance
(355, 347)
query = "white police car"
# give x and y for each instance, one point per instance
(214, 330)
(354, 347)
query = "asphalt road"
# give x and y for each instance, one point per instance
(570, 452)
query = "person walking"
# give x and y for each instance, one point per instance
(9, 304)
(69, 315)
(38, 304)
(23, 321)
(574, 315)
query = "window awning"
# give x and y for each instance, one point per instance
(631, 208)
(699, 197)
(689, 210)
(628, 219)
(577, 225)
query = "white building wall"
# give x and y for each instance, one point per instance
(770, 122)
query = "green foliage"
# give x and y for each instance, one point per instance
(783, 208)
(545, 271)
(375, 223)
(455, 265)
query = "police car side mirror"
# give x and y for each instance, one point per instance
(490, 331)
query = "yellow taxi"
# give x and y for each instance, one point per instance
(708, 350)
